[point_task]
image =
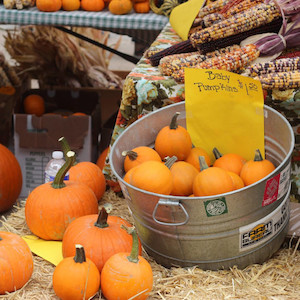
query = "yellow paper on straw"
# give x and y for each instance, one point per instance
(224, 110)
(183, 16)
(48, 250)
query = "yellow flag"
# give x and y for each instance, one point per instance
(183, 16)
(224, 110)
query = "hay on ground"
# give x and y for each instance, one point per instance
(278, 278)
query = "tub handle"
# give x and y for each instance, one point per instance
(170, 203)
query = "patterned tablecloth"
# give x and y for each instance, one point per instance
(102, 19)
(146, 90)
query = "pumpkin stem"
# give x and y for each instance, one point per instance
(134, 254)
(58, 181)
(170, 161)
(202, 162)
(65, 147)
(173, 124)
(216, 153)
(102, 219)
(258, 156)
(80, 254)
(132, 155)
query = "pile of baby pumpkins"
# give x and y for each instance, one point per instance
(117, 7)
(175, 167)
(100, 251)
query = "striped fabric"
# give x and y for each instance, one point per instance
(102, 20)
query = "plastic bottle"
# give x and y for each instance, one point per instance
(54, 165)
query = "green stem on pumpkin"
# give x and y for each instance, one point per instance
(173, 124)
(65, 147)
(102, 219)
(80, 254)
(202, 162)
(258, 156)
(134, 254)
(58, 181)
(216, 153)
(170, 161)
(132, 155)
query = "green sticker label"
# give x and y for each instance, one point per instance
(216, 207)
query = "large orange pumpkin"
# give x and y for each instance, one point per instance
(100, 235)
(51, 206)
(92, 5)
(16, 262)
(10, 179)
(256, 169)
(90, 174)
(173, 140)
(77, 277)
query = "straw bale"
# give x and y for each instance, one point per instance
(276, 279)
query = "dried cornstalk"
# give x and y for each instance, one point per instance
(56, 58)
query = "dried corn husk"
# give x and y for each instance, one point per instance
(56, 58)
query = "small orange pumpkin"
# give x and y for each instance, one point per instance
(16, 262)
(183, 175)
(230, 161)
(141, 7)
(76, 277)
(48, 5)
(211, 181)
(120, 7)
(34, 104)
(151, 176)
(92, 5)
(238, 183)
(256, 169)
(193, 157)
(139, 155)
(52, 206)
(11, 179)
(127, 275)
(104, 229)
(173, 140)
(102, 158)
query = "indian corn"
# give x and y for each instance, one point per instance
(278, 65)
(280, 80)
(234, 61)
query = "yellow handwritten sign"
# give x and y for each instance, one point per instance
(48, 250)
(183, 16)
(224, 110)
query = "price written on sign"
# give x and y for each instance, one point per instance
(224, 110)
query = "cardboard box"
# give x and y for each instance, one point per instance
(36, 137)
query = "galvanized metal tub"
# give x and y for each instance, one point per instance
(238, 228)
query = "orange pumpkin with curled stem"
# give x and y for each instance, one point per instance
(127, 275)
(173, 140)
(76, 277)
(256, 169)
(105, 230)
(211, 181)
(139, 155)
(52, 206)
(230, 161)
(16, 262)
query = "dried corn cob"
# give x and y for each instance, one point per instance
(211, 8)
(10, 72)
(234, 7)
(233, 61)
(251, 18)
(211, 19)
(280, 80)
(278, 65)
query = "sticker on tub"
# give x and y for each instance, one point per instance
(254, 234)
(277, 186)
(215, 207)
